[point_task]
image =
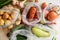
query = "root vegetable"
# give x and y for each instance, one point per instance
(7, 22)
(10, 27)
(1, 12)
(12, 15)
(9, 18)
(19, 17)
(10, 7)
(17, 22)
(0, 17)
(1, 22)
(5, 15)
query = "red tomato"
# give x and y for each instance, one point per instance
(43, 5)
(52, 15)
(32, 13)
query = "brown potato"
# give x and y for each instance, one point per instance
(1, 12)
(9, 18)
(1, 22)
(10, 7)
(10, 27)
(7, 22)
(5, 15)
(17, 22)
(19, 17)
(0, 17)
(12, 15)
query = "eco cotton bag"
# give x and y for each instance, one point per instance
(24, 14)
(46, 28)
(21, 32)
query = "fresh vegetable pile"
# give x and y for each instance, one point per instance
(28, 19)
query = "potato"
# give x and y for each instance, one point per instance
(1, 12)
(10, 27)
(17, 22)
(10, 7)
(5, 15)
(0, 17)
(9, 18)
(19, 17)
(12, 15)
(1, 22)
(7, 22)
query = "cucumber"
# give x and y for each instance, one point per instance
(40, 33)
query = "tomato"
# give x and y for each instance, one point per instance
(43, 5)
(31, 13)
(52, 16)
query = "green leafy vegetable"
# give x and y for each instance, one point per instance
(5, 2)
(20, 0)
(21, 37)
